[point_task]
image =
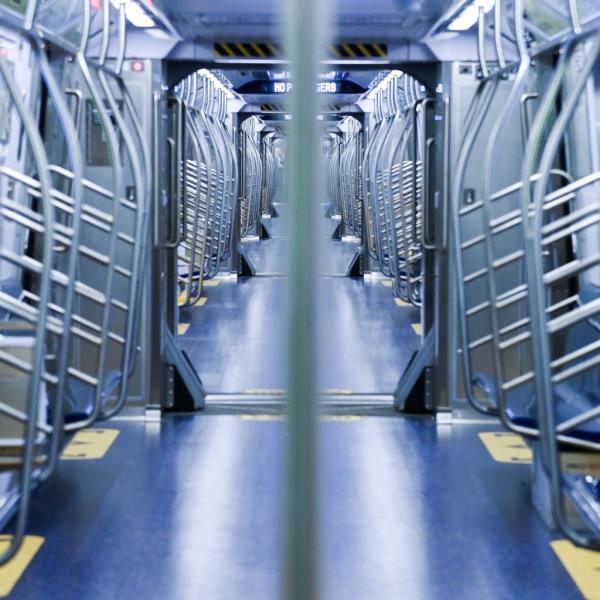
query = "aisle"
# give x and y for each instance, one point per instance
(411, 510)
(188, 510)
(194, 509)
(236, 339)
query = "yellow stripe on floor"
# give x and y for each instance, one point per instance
(265, 392)
(580, 463)
(263, 418)
(11, 572)
(338, 392)
(211, 283)
(201, 302)
(417, 328)
(582, 565)
(387, 282)
(506, 447)
(90, 444)
(183, 328)
(400, 302)
(335, 418)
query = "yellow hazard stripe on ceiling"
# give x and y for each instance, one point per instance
(506, 447)
(247, 50)
(90, 444)
(359, 50)
(266, 50)
(271, 108)
(11, 572)
(582, 565)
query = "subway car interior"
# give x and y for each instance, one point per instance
(300, 299)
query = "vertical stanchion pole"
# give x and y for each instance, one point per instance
(304, 41)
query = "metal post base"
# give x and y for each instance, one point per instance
(410, 392)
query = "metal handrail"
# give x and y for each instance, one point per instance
(491, 161)
(552, 432)
(141, 187)
(475, 117)
(117, 179)
(37, 367)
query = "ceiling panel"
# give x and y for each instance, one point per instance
(232, 20)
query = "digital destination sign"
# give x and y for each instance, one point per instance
(285, 86)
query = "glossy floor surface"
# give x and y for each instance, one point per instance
(237, 339)
(194, 509)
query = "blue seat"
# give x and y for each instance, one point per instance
(572, 398)
(80, 396)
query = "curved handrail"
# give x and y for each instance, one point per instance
(491, 161)
(117, 179)
(476, 114)
(535, 269)
(32, 404)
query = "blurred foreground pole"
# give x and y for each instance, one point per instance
(304, 41)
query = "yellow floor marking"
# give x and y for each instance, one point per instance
(263, 417)
(417, 328)
(183, 328)
(338, 392)
(387, 283)
(181, 301)
(582, 565)
(506, 447)
(342, 418)
(338, 418)
(581, 463)
(265, 392)
(14, 569)
(211, 283)
(400, 302)
(90, 444)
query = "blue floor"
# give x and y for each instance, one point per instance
(193, 509)
(418, 511)
(237, 340)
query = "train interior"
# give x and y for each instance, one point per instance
(298, 302)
